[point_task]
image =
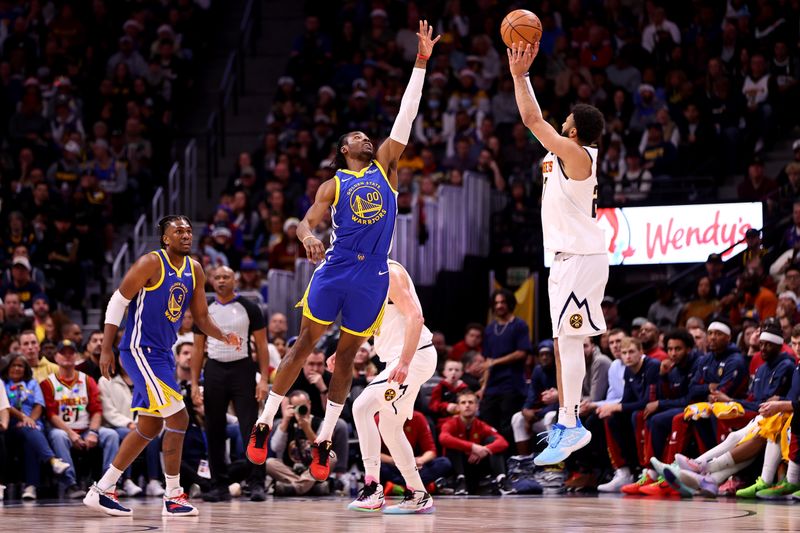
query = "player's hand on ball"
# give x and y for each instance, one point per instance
(107, 364)
(399, 374)
(315, 251)
(520, 58)
(232, 339)
(425, 42)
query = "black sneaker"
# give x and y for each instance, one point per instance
(504, 486)
(217, 494)
(257, 493)
(461, 486)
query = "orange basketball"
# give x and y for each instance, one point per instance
(521, 26)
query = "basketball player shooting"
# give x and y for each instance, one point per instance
(405, 344)
(579, 272)
(352, 277)
(159, 293)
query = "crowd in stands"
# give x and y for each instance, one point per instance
(90, 98)
(685, 92)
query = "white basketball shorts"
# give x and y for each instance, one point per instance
(577, 284)
(396, 399)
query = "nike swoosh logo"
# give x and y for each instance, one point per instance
(172, 273)
(383, 273)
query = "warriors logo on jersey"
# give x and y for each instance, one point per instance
(177, 297)
(366, 203)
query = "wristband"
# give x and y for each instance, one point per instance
(94, 432)
(420, 56)
(308, 237)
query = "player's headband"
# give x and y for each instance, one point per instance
(719, 326)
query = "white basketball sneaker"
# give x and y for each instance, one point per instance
(369, 500)
(416, 502)
(105, 502)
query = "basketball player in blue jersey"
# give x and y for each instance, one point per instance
(352, 277)
(569, 225)
(159, 288)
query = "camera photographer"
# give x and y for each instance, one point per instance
(291, 444)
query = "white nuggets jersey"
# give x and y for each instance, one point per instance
(391, 335)
(569, 209)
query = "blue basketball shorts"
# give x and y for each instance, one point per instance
(353, 283)
(155, 389)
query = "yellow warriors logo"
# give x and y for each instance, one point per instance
(177, 297)
(576, 321)
(366, 203)
(389, 395)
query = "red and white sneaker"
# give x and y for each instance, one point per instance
(730, 487)
(321, 454)
(178, 505)
(257, 445)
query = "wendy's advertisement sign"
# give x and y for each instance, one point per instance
(675, 233)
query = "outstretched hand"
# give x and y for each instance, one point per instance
(424, 34)
(520, 58)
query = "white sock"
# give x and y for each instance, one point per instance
(369, 438)
(272, 406)
(573, 370)
(173, 484)
(772, 459)
(793, 473)
(332, 412)
(720, 477)
(109, 479)
(727, 445)
(720, 463)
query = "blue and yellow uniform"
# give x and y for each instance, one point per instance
(354, 276)
(154, 316)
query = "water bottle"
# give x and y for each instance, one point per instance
(353, 484)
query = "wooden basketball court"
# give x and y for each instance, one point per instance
(453, 514)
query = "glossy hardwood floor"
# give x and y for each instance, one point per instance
(453, 514)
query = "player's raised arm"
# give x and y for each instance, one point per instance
(576, 161)
(400, 295)
(326, 195)
(145, 270)
(390, 150)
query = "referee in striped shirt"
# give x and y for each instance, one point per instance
(230, 375)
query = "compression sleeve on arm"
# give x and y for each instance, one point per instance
(401, 130)
(116, 308)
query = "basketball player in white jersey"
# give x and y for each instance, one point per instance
(405, 344)
(579, 272)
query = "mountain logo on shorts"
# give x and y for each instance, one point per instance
(389, 395)
(576, 321)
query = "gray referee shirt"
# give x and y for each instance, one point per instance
(241, 316)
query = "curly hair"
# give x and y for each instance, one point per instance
(589, 122)
(165, 222)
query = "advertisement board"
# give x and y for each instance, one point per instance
(675, 233)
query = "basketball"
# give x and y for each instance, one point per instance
(521, 26)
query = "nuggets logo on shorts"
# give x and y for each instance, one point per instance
(177, 297)
(389, 395)
(366, 203)
(576, 321)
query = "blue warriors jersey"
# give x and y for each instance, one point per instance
(155, 313)
(364, 211)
